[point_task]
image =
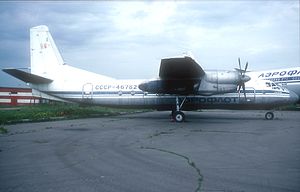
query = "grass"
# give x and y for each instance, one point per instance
(3, 130)
(45, 112)
(291, 107)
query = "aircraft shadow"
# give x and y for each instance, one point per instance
(201, 116)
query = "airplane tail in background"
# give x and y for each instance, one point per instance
(44, 55)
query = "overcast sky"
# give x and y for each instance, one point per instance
(128, 39)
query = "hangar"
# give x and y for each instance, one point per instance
(15, 96)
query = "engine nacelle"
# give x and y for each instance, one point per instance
(159, 86)
(218, 82)
(213, 82)
(222, 77)
(208, 88)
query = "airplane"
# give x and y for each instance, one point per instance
(286, 77)
(182, 84)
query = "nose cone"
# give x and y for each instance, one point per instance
(293, 97)
(245, 78)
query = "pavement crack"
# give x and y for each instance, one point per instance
(189, 161)
(230, 132)
(157, 133)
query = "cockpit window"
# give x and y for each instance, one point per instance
(274, 86)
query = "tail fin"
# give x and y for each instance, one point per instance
(44, 56)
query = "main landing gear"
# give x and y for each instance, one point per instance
(178, 115)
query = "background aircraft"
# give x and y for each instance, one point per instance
(182, 84)
(286, 77)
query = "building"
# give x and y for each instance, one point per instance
(12, 96)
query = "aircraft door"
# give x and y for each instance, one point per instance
(87, 91)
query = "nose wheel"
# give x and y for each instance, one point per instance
(269, 115)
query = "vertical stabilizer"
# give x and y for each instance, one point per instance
(44, 56)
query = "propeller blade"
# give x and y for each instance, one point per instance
(244, 90)
(239, 88)
(240, 64)
(246, 67)
(243, 78)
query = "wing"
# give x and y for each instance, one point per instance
(180, 75)
(180, 68)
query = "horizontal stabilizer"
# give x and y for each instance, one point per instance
(27, 77)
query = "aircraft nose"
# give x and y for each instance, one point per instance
(293, 97)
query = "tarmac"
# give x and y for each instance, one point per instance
(212, 151)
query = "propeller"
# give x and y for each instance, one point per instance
(242, 78)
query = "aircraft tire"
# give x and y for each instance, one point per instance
(178, 116)
(269, 116)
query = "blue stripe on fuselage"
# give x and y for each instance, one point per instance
(295, 79)
(140, 92)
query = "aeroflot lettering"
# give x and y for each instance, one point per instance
(212, 100)
(280, 73)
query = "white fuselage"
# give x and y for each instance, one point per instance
(81, 86)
